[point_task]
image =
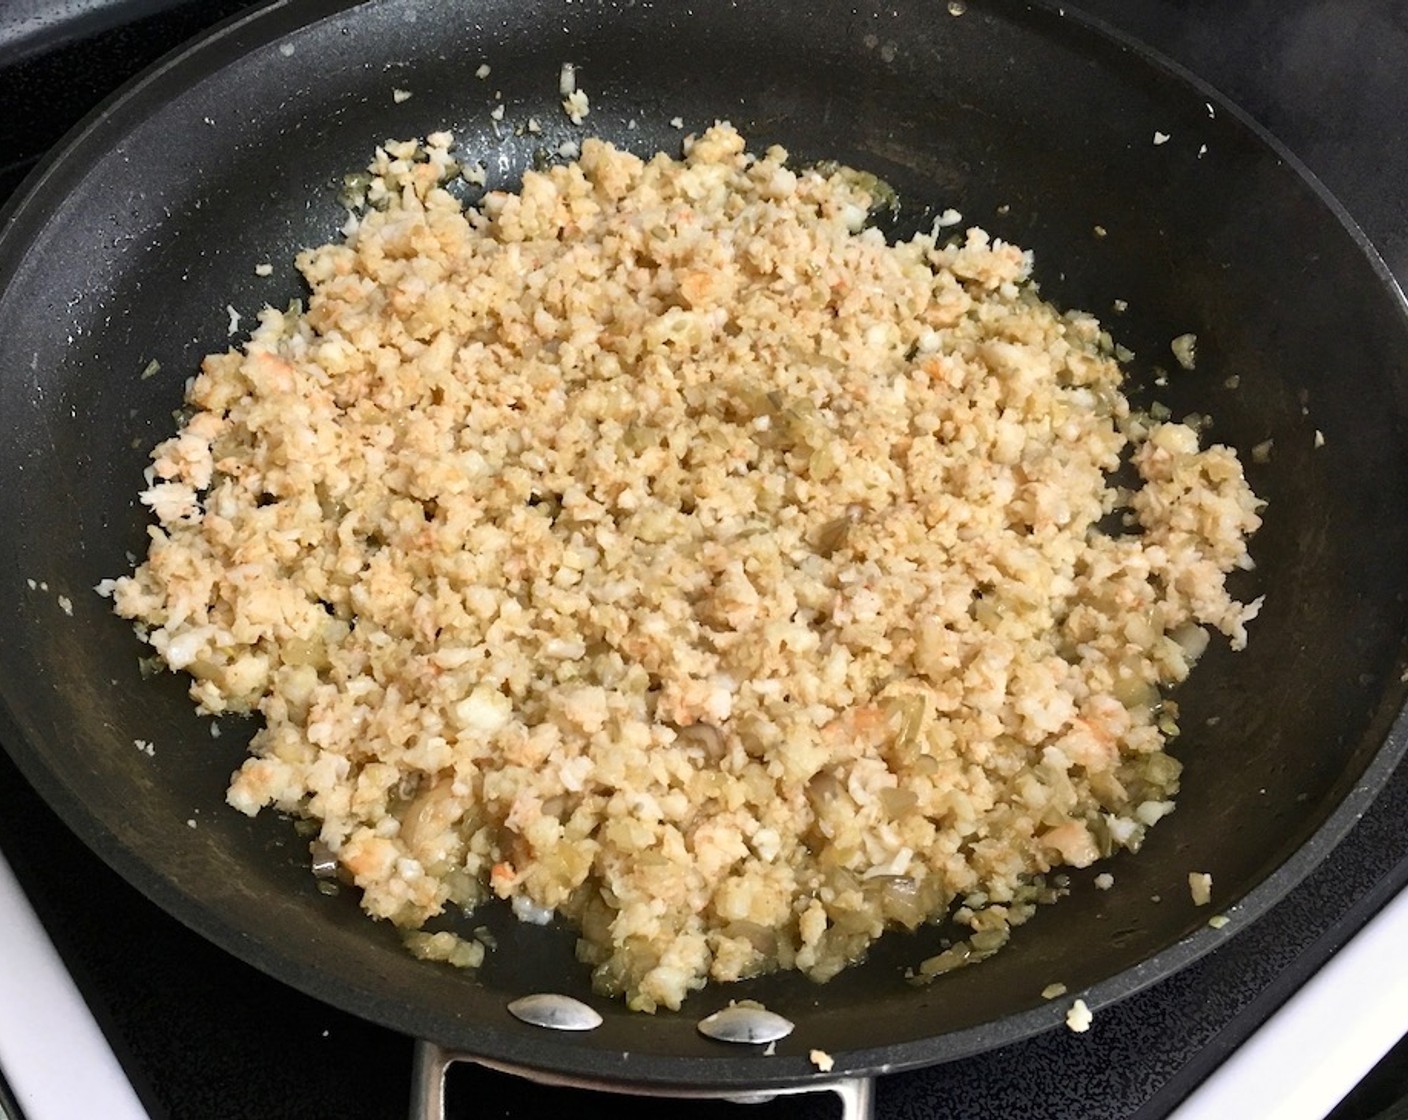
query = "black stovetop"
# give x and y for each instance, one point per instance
(204, 1036)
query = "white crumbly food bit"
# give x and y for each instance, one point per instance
(1319, 438)
(482, 71)
(822, 1060)
(652, 549)
(1079, 1018)
(1200, 887)
(66, 605)
(576, 105)
(400, 95)
(1053, 991)
(264, 269)
(1104, 881)
(1218, 921)
(526, 910)
(1185, 350)
(1161, 138)
(574, 101)
(676, 122)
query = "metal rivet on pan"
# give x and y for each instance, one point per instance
(745, 1024)
(324, 862)
(555, 1012)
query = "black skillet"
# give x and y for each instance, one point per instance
(128, 245)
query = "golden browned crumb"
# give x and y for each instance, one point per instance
(659, 548)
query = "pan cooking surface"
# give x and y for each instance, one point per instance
(130, 246)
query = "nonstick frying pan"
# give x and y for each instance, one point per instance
(131, 242)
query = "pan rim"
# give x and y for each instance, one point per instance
(28, 212)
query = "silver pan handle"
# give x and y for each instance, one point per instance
(857, 1094)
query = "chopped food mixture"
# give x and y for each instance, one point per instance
(659, 548)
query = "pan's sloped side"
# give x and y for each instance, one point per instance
(133, 243)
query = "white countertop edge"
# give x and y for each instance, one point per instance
(56, 1060)
(1324, 1039)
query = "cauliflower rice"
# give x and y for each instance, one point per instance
(658, 547)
